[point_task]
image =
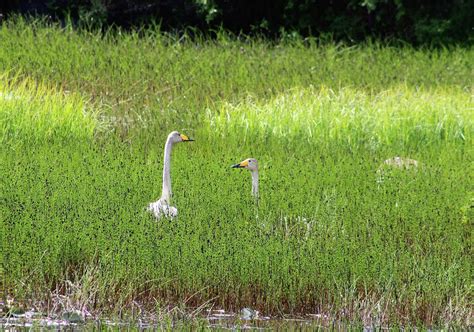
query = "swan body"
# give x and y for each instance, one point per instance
(252, 165)
(162, 207)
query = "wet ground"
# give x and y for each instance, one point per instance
(246, 319)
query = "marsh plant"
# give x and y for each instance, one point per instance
(83, 120)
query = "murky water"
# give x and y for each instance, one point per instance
(247, 319)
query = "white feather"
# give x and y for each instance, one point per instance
(161, 208)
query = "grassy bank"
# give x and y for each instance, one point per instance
(84, 118)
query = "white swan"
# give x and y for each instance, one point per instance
(162, 208)
(252, 165)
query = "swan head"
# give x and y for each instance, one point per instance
(251, 164)
(176, 137)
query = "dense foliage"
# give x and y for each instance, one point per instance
(428, 22)
(83, 118)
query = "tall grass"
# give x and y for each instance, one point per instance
(146, 74)
(326, 237)
(397, 117)
(32, 112)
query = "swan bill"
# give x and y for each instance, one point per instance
(242, 164)
(185, 138)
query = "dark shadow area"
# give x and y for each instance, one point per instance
(420, 23)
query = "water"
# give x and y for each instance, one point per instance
(247, 319)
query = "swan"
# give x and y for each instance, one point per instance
(162, 206)
(252, 165)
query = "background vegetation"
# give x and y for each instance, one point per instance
(83, 118)
(421, 22)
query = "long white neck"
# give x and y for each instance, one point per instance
(254, 183)
(166, 191)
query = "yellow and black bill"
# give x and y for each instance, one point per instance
(185, 138)
(242, 164)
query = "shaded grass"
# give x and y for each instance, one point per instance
(326, 237)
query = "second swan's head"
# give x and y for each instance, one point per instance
(251, 164)
(176, 137)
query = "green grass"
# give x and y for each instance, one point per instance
(33, 113)
(84, 118)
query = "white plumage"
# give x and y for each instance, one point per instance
(162, 207)
(252, 165)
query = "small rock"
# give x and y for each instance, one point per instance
(400, 162)
(395, 163)
(248, 314)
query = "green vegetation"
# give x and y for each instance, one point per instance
(426, 22)
(83, 121)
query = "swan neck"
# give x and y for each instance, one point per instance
(255, 183)
(166, 191)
